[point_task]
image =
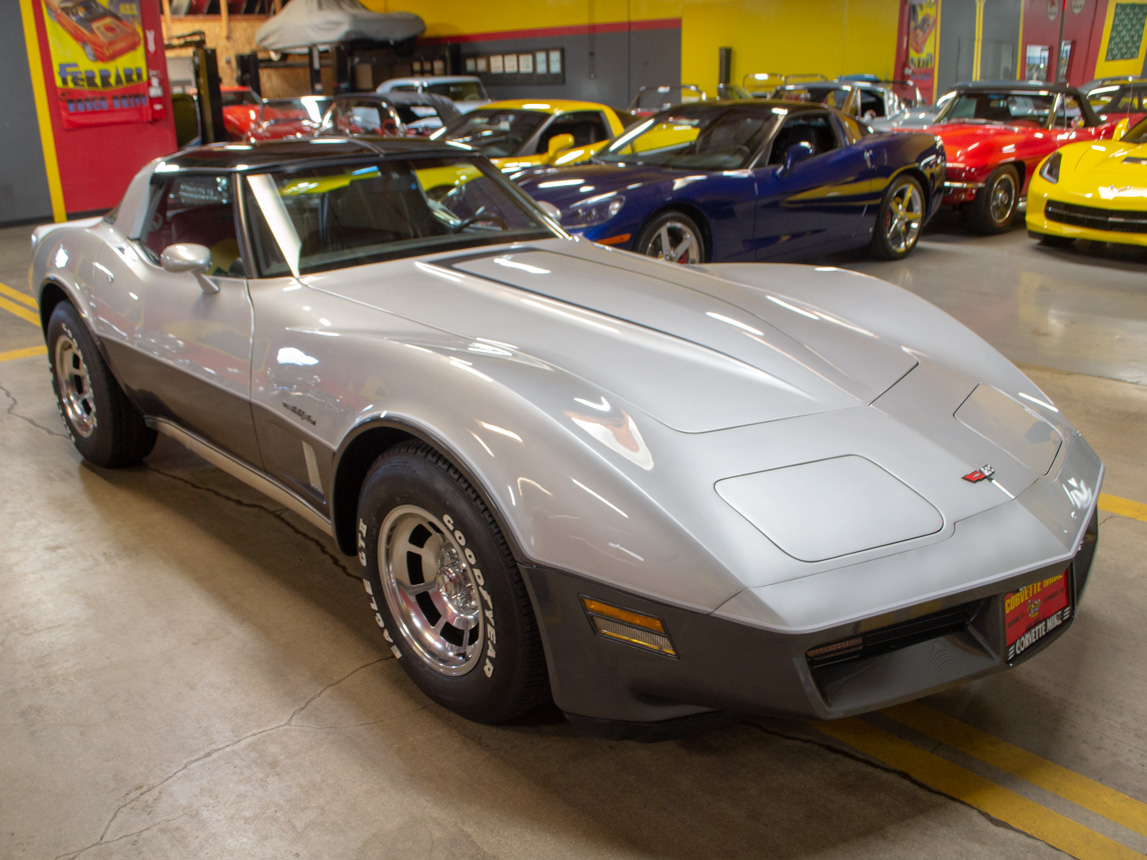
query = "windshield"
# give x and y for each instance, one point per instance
(1138, 133)
(659, 98)
(1124, 99)
(235, 98)
(700, 138)
(496, 133)
(459, 91)
(836, 97)
(293, 110)
(322, 218)
(1017, 108)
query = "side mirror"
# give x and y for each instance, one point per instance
(551, 210)
(195, 259)
(794, 155)
(1121, 129)
(559, 142)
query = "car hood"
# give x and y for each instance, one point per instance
(1106, 163)
(964, 138)
(700, 353)
(566, 186)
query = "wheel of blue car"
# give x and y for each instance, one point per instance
(994, 208)
(103, 424)
(445, 588)
(672, 236)
(898, 220)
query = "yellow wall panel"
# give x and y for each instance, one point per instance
(1104, 68)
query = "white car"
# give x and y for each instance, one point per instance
(466, 91)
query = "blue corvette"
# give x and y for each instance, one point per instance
(742, 181)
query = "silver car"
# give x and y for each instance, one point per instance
(652, 492)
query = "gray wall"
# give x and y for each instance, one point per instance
(1001, 34)
(599, 67)
(23, 183)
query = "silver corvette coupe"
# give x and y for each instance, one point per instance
(655, 493)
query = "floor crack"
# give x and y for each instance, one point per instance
(320, 544)
(209, 754)
(11, 410)
(907, 777)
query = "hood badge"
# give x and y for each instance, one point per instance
(984, 473)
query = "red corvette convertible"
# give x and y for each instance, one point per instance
(996, 133)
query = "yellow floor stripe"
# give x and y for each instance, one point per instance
(20, 311)
(1026, 815)
(23, 353)
(1123, 507)
(1099, 798)
(18, 296)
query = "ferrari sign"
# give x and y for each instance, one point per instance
(98, 61)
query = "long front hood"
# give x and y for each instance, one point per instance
(676, 343)
(568, 185)
(963, 139)
(1107, 172)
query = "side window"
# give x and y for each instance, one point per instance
(586, 127)
(196, 210)
(871, 105)
(1069, 114)
(811, 128)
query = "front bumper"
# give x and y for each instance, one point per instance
(726, 666)
(1054, 212)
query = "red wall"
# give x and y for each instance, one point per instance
(1084, 28)
(97, 163)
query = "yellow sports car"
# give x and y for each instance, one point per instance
(529, 132)
(1093, 190)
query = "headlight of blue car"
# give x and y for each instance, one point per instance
(1049, 170)
(591, 212)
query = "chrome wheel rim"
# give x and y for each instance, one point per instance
(675, 242)
(904, 217)
(1003, 199)
(75, 386)
(430, 589)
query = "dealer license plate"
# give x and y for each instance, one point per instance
(1035, 611)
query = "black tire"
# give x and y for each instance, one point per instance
(90, 53)
(899, 220)
(467, 637)
(672, 236)
(103, 424)
(994, 208)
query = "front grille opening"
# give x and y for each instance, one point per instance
(1095, 218)
(894, 636)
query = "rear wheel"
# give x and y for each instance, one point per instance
(103, 424)
(899, 220)
(445, 588)
(994, 208)
(672, 236)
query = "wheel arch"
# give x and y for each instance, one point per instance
(692, 211)
(369, 440)
(51, 295)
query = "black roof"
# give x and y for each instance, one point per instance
(1019, 86)
(243, 157)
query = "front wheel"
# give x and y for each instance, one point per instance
(672, 236)
(898, 220)
(994, 208)
(103, 424)
(445, 588)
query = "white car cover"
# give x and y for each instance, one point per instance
(306, 23)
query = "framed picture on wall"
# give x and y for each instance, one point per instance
(526, 64)
(483, 65)
(556, 62)
(540, 62)
(495, 64)
(510, 61)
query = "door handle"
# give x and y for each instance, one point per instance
(868, 158)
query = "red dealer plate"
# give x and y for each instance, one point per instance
(1034, 612)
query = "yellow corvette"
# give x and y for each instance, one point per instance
(525, 133)
(1094, 190)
